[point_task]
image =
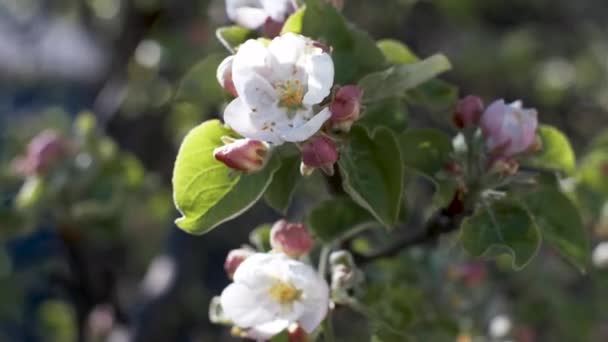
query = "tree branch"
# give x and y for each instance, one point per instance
(445, 221)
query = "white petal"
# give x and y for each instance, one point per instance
(268, 330)
(286, 50)
(241, 119)
(320, 69)
(308, 129)
(315, 303)
(247, 306)
(233, 6)
(278, 9)
(251, 18)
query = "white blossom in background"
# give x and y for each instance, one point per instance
(500, 326)
(252, 14)
(600, 255)
(271, 291)
(279, 87)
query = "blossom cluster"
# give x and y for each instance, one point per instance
(283, 92)
(274, 291)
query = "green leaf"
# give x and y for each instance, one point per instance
(396, 80)
(200, 86)
(425, 150)
(561, 224)
(557, 153)
(436, 94)
(396, 52)
(205, 191)
(389, 113)
(280, 192)
(353, 51)
(333, 218)
(593, 171)
(372, 173)
(233, 36)
(503, 225)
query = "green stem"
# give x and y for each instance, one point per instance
(323, 260)
(328, 328)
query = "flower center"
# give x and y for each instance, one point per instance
(291, 93)
(284, 293)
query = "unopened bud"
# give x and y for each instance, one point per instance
(341, 257)
(43, 151)
(468, 112)
(235, 258)
(508, 129)
(272, 28)
(505, 167)
(346, 107)
(293, 239)
(244, 155)
(224, 76)
(295, 333)
(318, 152)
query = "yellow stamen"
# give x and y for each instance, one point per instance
(284, 293)
(291, 93)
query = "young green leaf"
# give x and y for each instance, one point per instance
(200, 79)
(425, 150)
(561, 224)
(435, 93)
(396, 80)
(503, 225)
(556, 154)
(390, 113)
(372, 172)
(333, 218)
(280, 192)
(233, 36)
(205, 191)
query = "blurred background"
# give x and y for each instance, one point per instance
(96, 95)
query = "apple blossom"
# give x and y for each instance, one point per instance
(509, 129)
(293, 239)
(254, 14)
(43, 151)
(319, 152)
(346, 107)
(245, 155)
(271, 292)
(224, 75)
(279, 88)
(468, 111)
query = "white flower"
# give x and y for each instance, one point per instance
(252, 14)
(279, 87)
(600, 255)
(272, 291)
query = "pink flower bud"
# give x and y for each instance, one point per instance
(43, 151)
(244, 155)
(235, 258)
(346, 107)
(509, 129)
(224, 76)
(468, 112)
(292, 239)
(319, 152)
(295, 333)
